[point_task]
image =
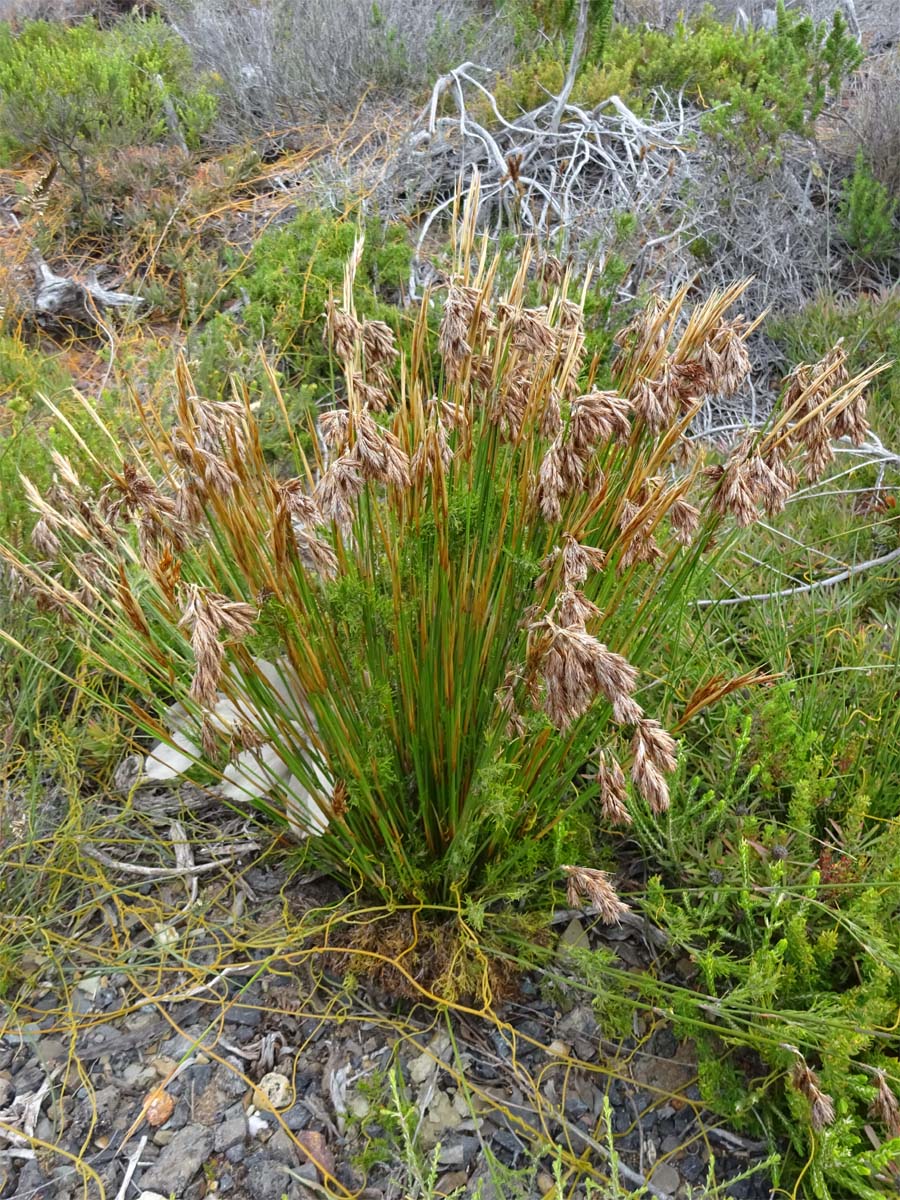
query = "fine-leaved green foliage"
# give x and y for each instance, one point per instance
(73, 90)
(868, 215)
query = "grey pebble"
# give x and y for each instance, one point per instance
(267, 1179)
(666, 1178)
(228, 1083)
(229, 1134)
(236, 1153)
(179, 1162)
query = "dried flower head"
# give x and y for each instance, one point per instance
(334, 427)
(573, 609)
(379, 453)
(378, 343)
(43, 537)
(342, 331)
(338, 489)
(295, 501)
(613, 790)
(737, 493)
(597, 418)
(885, 1107)
(549, 270)
(806, 1082)
(460, 309)
(530, 329)
(684, 519)
(731, 355)
(653, 402)
(207, 615)
(653, 751)
(577, 668)
(579, 560)
(587, 884)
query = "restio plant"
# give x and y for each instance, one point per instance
(423, 649)
(75, 90)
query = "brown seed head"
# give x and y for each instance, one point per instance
(597, 418)
(885, 1106)
(378, 343)
(339, 488)
(578, 561)
(591, 886)
(613, 790)
(342, 332)
(806, 1082)
(684, 519)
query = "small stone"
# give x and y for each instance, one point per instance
(297, 1116)
(163, 1065)
(316, 1146)
(229, 1134)
(440, 1119)
(451, 1182)
(359, 1106)
(545, 1183)
(273, 1091)
(666, 1178)
(559, 1049)
(574, 936)
(508, 1142)
(247, 1018)
(160, 1106)
(282, 1146)
(229, 1082)
(266, 1178)
(180, 1160)
(420, 1068)
(52, 1050)
(692, 1168)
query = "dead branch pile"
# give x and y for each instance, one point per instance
(559, 173)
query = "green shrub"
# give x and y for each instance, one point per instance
(766, 82)
(781, 877)
(867, 215)
(287, 281)
(74, 90)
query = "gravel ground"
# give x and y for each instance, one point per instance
(266, 1085)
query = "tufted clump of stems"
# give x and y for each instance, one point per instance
(425, 647)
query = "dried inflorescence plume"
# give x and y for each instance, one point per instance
(806, 1081)
(343, 332)
(466, 319)
(208, 615)
(613, 790)
(592, 886)
(653, 757)
(885, 1107)
(577, 668)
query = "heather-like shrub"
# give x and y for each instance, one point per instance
(867, 215)
(760, 83)
(74, 90)
(424, 650)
